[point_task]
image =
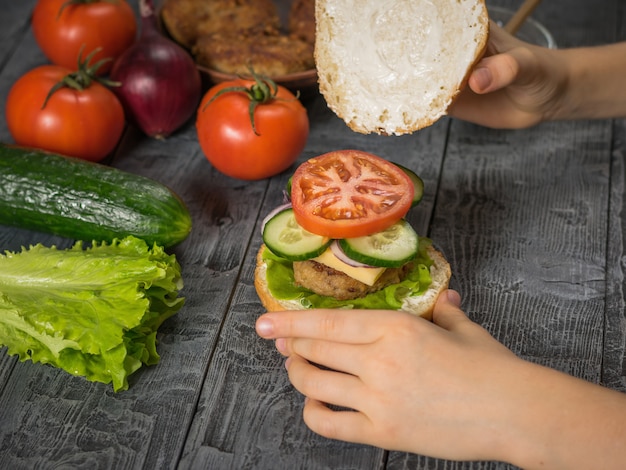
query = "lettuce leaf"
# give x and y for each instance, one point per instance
(282, 285)
(93, 312)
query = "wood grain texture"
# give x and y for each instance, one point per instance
(14, 24)
(532, 222)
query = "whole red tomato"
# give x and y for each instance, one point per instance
(84, 123)
(251, 129)
(63, 27)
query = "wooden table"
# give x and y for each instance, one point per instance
(532, 222)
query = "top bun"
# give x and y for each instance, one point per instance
(395, 66)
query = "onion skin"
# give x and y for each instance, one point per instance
(159, 83)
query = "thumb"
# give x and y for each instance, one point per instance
(494, 73)
(505, 58)
(447, 312)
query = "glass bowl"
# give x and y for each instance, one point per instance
(530, 31)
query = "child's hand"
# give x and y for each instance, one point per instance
(515, 85)
(414, 385)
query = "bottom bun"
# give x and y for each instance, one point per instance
(421, 305)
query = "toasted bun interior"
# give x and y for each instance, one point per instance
(418, 305)
(395, 66)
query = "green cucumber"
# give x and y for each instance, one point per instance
(87, 201)
(285, 238)
(418, 184)
(392, 248)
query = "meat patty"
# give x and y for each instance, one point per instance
(324, 280)
(302, 20)
(229, 36)
(181, 19)
(187, 20)
(271, 55)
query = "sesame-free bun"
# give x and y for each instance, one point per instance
(395, 66)
(418, 305)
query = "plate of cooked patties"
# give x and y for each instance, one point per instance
(229, 37)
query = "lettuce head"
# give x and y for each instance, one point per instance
(91, 311)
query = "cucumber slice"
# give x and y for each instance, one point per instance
(285, 238)
(418, 184)
(391, 248)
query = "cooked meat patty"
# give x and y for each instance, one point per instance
(324, 280)
(230, 35)
(186, 20)
(181, 19)
(269, 54)
(241, 15)
(302, 20)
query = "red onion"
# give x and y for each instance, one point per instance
(160, 85)
(341, 256)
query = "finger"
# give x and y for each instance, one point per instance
(349, 426)
(501, 63)
(350, 326)
(447, 312)
(335, 388)
(494, 73)
(333, 355)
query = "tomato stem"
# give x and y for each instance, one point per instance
(262, 91)
(83, 76)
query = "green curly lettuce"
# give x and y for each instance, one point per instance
(93, 312)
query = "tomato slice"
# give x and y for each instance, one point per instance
(349, 193)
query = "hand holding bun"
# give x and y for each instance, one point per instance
(395, 66)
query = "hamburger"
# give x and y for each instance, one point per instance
(395, 67)
(342, 240)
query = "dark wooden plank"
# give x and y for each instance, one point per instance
(14, 25)
(220, 397)
(614, 365)
(537, 282)
(26, 55)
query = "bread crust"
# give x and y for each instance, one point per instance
(395, 66)
(419, 305)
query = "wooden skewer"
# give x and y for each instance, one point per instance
(520, 15)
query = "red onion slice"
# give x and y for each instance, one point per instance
(341, 255)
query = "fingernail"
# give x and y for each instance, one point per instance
(453, 297)
(281, 345)
(265, 327)
(481, 78)
(287, 362)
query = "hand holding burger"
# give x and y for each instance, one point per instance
(445, 389)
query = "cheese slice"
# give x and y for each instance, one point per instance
(367, 275)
